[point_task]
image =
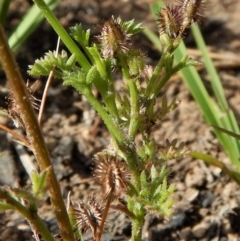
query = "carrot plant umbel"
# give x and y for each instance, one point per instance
(132, 177)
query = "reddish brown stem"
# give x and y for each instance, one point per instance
(34, 134)
(49, 81)
(104, 216)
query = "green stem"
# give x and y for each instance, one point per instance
(67, 40)
(135, 118)
(134, 99)
(117, 134)
(4, 6)
(34, 134)
(154, 78)
(111, 101)
(30, 215)
(137, 225)
(126, 147)
(163, 81)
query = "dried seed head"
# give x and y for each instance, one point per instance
(192, 11)
(113, 38)
(13, 108)
(170, 19)
(174, 20)
(14, 112)
(88, 215)
(111, 173)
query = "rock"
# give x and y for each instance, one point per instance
(207, 199)
(185, 233)
(62, 155)
(177, 220)
(191, 194)
(195, 177)
(205, 229)
(7, 166)
(199, 230)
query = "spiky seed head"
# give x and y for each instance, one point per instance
(113, 38)
(192, 11)
(111, 174)
(88, 215)
(169, 21)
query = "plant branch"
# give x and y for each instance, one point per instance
(34, 134)
(134, 99)
(104, 216)
(49, 81)
(30, 215)
(20, 138)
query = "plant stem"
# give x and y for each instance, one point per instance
(154, 77)
(31, 216)
(34, 134)
(137, 225)
(20, 138)
(4, 6)
(134, 99)
(127, 148)
(104, 216)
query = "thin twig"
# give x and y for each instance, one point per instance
(32, 217)
(21, 139)
(104, 216)
(49, 81)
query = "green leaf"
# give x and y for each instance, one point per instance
(130, 27)
(44, 66)
(25, 195)
(80, 35)
(92, 75)
(76, 79)
(5, 207)
(99, 61)
(39, 183)
(143, 180)
(71, 61)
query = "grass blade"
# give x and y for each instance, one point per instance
(29, 23)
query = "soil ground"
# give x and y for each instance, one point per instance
(206, 200)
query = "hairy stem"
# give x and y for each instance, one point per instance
(34, 134)
(137, 225)
(30, 215)
(134, 99)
